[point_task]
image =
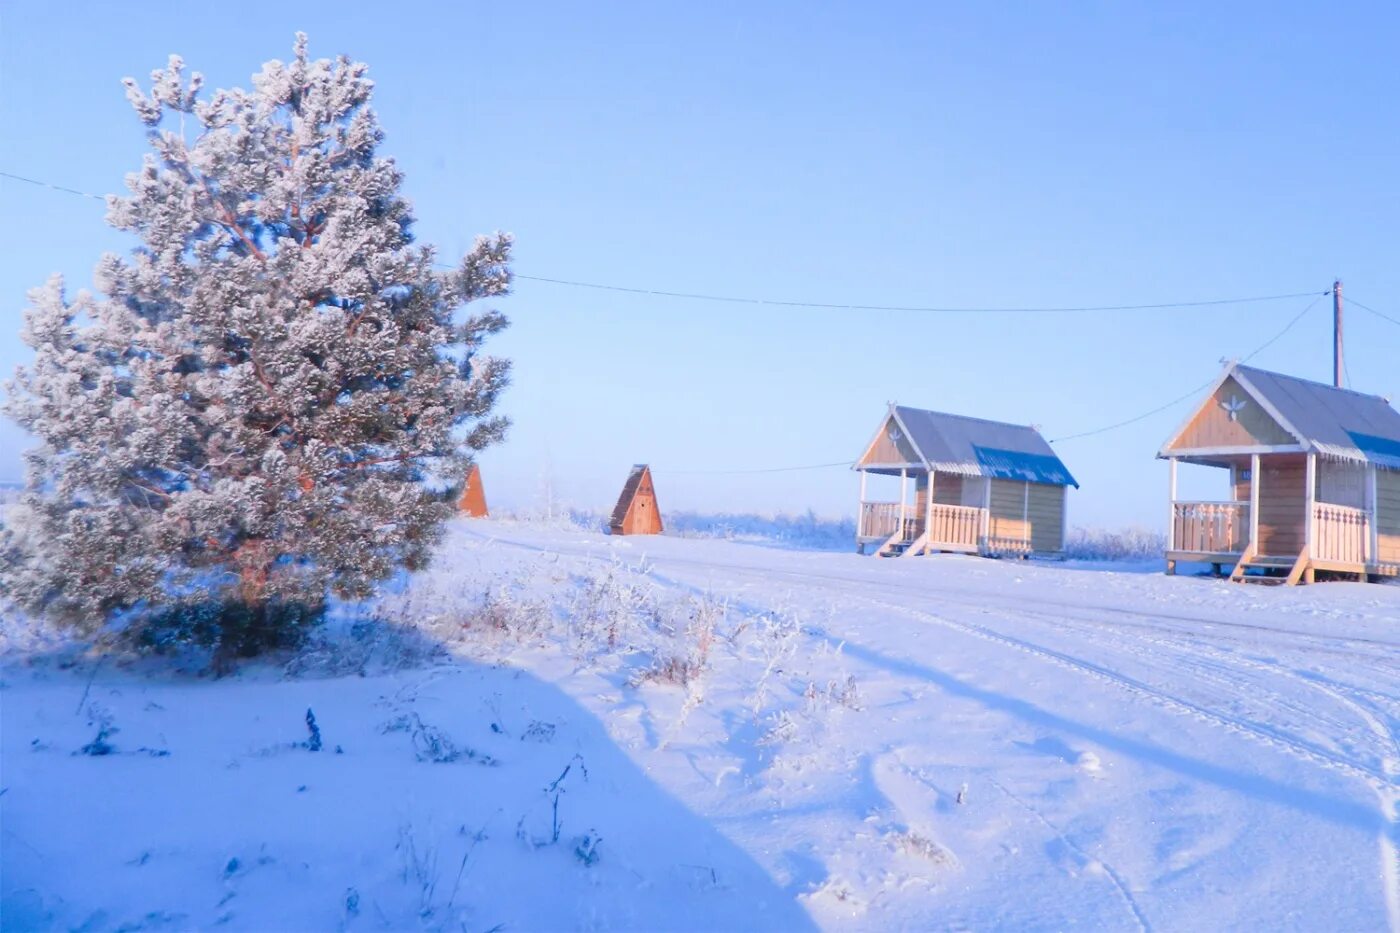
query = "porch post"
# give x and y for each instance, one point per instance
(860, 511)
(1254, 502)
(1373, 549)
(1309, 499)
(903, 497)
(1171, 503)
(986, 511)
(928, 512)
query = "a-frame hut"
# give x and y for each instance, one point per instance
(473, 501)
(1314, 479)
(636, 512)
(979, 487)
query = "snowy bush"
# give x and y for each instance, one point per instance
(270, 398)
(806, 530)
(1129, 544)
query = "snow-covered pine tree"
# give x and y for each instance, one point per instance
(272, 396)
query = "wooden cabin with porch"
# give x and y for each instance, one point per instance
(978, 487)
(1314, 480)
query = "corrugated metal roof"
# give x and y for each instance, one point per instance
(1334, 422)
(977, 447)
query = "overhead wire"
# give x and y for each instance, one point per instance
(784, 303)
(1203, 386)
(1364, 307)
(814, 305)
(929, 309)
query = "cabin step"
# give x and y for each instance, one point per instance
(1259, 579)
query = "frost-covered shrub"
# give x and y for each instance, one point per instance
(271, 397)
(1128, 544)
(233, 629)
(805, 530)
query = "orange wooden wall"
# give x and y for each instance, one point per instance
(473, 501)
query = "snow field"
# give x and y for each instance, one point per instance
(772, 739)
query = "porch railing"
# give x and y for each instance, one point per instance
(1210, 527)
(1341, 533)
(958, 525)
(1002, 546)
(878, 519)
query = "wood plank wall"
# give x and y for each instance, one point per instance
(1039, 517)
(1047, 517)
(1212, 427)
(947, 489)
(1282, 504)
(1388, 515)
(1008, 502)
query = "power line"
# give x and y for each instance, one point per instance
(1386, 317)
(771, 302)
(1203, 386)
(791, 469)
(45, 184)
(1120, 424)
(814, 305)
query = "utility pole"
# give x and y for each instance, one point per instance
(1337, 333)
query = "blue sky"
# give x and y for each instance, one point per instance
(968, 155)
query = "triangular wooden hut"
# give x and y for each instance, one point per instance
(636, 512)
(473, 501)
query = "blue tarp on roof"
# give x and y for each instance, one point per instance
(1374, 446)
(1019, 465)
(978, 447)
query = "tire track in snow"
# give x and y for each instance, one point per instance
(842, 586)
(1381, 783)
(1089, 860)
(1386, 785)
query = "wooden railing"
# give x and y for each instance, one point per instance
(1006, 547)
(958, 525)
(1210, 527)
(1340, 533)
(878, 519)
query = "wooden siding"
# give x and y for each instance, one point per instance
(1212, 427)
(473, 500)
(1028, 512)
(886, 449)
(947, 489)
(1240, 488)
(1388, 515)
(920, 511)
(1047, 517)
(1341, 483)
(1008, 505)
(636, 512)
(1282, 506)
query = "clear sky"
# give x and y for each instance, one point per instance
(932, 154)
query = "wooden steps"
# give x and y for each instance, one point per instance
(917, 546)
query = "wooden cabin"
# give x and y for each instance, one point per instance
(965, 485)
(636, 512)
(1313, 475)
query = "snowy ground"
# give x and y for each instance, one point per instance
(868, 744)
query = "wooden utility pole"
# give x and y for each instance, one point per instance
(1337, 333)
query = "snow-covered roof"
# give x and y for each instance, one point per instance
(978, 447)
(1331, 421)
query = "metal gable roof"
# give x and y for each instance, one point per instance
(1334, 422)
(977, 447)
